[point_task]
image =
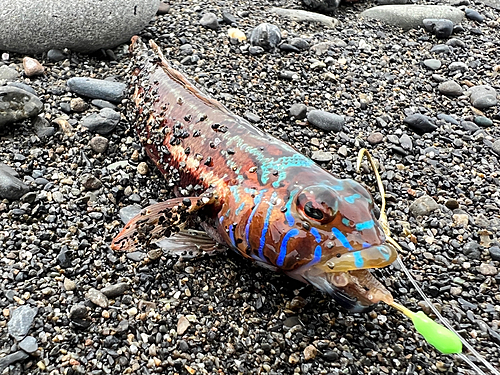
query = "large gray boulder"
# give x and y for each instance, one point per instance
(412, 16)
(83, 25)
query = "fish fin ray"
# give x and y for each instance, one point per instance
(189, 243)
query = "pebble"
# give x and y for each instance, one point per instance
(17, 105)
(182, 325)
(488, 269)
(299, 43)
(256, 50)
(457, 66)
(32, 67)
(375, 138)
(412, 16)
(440, 48)
(265, 35)
(483, 96)
(325, 120)
(9, 359)
(450, 88)
(483, 121)
(321, 5)
(103, 122)
(128, 212)
(11, 187)
(406, 142)
(469, 126)
(210, 21)
(252, 117)
(78, 105)
(494, 253)
(77, 312)
(455, 42)
(98, 88)
(298, 111)
(236, 34)
(99, 144)
(322, 156)
(69, 285)
(441, 28)
(90, 182)
(420, 123)
(300, 15)
(473, 15)
(433, 64)
(163, 8)
(7, 73)
(310, 352)
(99, 103)
(107, 24)
(423, 206)
(20, 321)
(115, 290)
(495, 147)
(29, 344)
(143, 168)
(229, 18)
(98, 298)
(56, 55)
(447, 118)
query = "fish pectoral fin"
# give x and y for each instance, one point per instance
(189, 243)
(159, 221)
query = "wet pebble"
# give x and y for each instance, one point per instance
(483, 96)
(20, 321)
(494, 253)
(210, 21)
(450, 88)
(229, 18)
(423, 206)
(420, 123)
(265, 35)
(447, 118)
(115, 290)
(98, 88)
(483, 121)
(103, 122)
(441, 28)
(97, 298)
(325, 120)
(17, 105)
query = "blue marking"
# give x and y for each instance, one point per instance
(352, 198)
(318, 252)
(235, 192)
(316, 234)
(256, 202)
(221, 219)
(358, 259)
(283, 248)
(288, 215)
(266, 226)
(231, 235)
(346, 222)
(238, 210)
(365, 225)
(337, 187)
(365, 245)
(343, 240)
(385, 253)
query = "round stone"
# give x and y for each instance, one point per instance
(265, 35)
(450, 88)
(82, 26)
(325, 120)
(420, 123)
(433, 64)
(441, 28)
(209, 20)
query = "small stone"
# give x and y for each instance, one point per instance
(252, 117)
(11, 187)
(495, 147)
(155, 254)
(483, 121)
(423, 206)
(265, 35)
(56, 55)
(99, 103)
(78, 105)
(310, 352)
(69, 284)
(375, 138)
(209, 20)
(447, 118)
(494, 253)
(450, 88)
(99, 144)
(299, 43)
(98, 88)
(115, 290)
(90, 182)
(330, 356)
(7, 73)
(322, 156)
(128, 212)
(298, 111)
(420, 123)
(488, 269)
(229, 18)
(441, 28)
(20, 321)
(455, 42)
(457, 66)
(78, 312)
(17, 105)
(103, 122)
(9, 359)
(143, 168)
(182, 325)
(452, 204)
(32, 67)
(97, 298)
(461, 219)
(473, 15)
(236, 34)
(432, 64)
(325, 120)
(322, 5)
(483, 96)
(299, 15)
(256, 50)
(29, 344)
(163, 8)
(294, 358)
(440, 48)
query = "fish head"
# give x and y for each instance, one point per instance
(340, 240)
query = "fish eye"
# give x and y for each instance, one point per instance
(317, 203)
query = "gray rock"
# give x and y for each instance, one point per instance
(98, 88)
(495, 4)
(29, 344)
(83, 26)
(90, 182)
(432, 64)
(483, 121)
(22, 86)
(115, 290)
(322, 156)
(99, 144)
(7, 169)
(97, 298)
(79, 311)
(412, 16)
(447, 118)
(20, 321)
(252, 117)
(455, 42)
(440, 48)
(457, 65)
(321, 5)
(8, 73)
(209, 20)
(469, 126)
(483, 96)
(441, 28)
(298, 111)
(305, 16)
(450, 88)
(325, 120)
(11, 187)
(420, 123)
(494, 253)
(99, 103)
(17, 105)
(103, 122)
(473, 15)
(265, 35)
(496, 146)
(42, 128)
(128, 212)
(406, 142)
(56, 55)
(423, 206)
(299, 43)
(229, 18)
(12, 358)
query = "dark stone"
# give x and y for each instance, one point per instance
(11, 187)
(103, 122)
(56, 55)
(325, 120)
(9, 359)
(441, 28)
(17, 104)
(299, 43)
(473, 15)
(265, 35)
(229, 18)
(471, 250)
(494, 253)
(324, 6)
(98, 88)
(115, 290)
(420, 123)
(298, 111)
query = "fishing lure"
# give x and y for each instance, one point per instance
(260, 197)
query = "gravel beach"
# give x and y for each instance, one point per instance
(423, 101)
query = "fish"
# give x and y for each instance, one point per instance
(249, 191)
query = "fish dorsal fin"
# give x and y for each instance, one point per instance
(180, 79)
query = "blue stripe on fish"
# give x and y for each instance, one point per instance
(385, 253)
(358, 259)
(343, 240)
(316, 234)
(338, 187)
(288, 215)
(239, 209)
(284, 243)
(231, 235)
(266, 226)
(317, 255)
(256, 202)
(365, 225)
(351, 198)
